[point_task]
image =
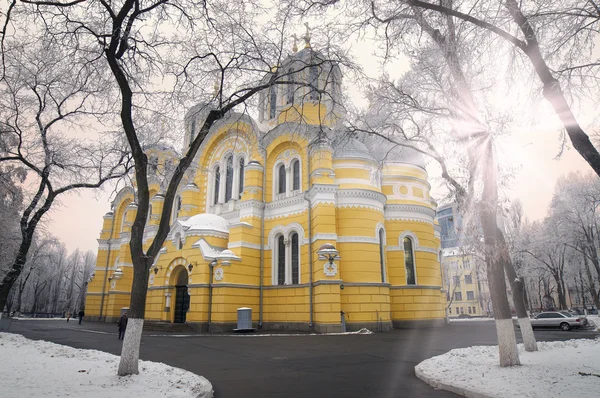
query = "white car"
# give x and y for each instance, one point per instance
(558, 319)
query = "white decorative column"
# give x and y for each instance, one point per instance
(288, 261)
(167, 302)
(288, 181)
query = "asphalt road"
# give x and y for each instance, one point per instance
(375, 366)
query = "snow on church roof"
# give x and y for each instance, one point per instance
(206, 222)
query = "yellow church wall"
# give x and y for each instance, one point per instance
(324, 219)
(286, 304)
(366, 303)
(327, 304)
(359, 262)
(309, 113)
(417, 304)
(353, 221)
(226, 301)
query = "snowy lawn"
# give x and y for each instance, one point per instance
(42, 369)
(561, 368)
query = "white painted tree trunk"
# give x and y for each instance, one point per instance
(130, 353)
(507, 343)
(527, 334)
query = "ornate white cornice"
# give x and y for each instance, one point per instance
(409, 213)
(285, 207)
(322, 194)
(247, 245)
(357, 239)
(329, 237)
(360, 198)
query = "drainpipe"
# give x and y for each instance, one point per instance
(210, 293)
(262, 242)
(310, 250)
(112, 226)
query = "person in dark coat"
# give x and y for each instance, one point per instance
(122, 325)
(81, 315)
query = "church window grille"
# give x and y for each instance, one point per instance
(295, 259)
(272, 101)
(290, 87)
(296, 174)
(281, 179)
(409, 262)
(280, 260)
(229, 179)
(313, 81)
(241, 178)
(217, 185)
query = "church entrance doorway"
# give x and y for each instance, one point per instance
(182, 298)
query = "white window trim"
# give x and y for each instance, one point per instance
(289, 178)
(222, 163)
(287, 238)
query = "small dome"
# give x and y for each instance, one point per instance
(351, 149)
(206, 222)
(388, 152)
(406, 155)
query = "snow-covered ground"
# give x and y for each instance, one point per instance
(42, 369)
(566, 368)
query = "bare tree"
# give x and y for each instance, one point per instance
(44, 93)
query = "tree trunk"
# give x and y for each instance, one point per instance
(494, 258)
(10, 278)
(130, 353)
(518, 293)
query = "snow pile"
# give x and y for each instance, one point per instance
(558, 369)
(595, 319)
(42, 369)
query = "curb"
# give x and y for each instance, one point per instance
(447, 387)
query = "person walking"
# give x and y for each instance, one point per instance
(122, 325)
(81, 315)
(68, 315)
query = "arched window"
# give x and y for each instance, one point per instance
(382, 253)
(296, 175)
(123, 220)
(295, 259)
(168, 166)
(409, 262)
(149, 217)
(177, 208)
(313, 80)
(241, 178)
(229, 179)
(280, 260)
(290, 87)
(178, 241)
(192, 131)
(281, 179)
(272, 101)
(217, 185)
(152, 164)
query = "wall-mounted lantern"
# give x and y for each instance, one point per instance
(329, 253)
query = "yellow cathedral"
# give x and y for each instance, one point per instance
(264, 195)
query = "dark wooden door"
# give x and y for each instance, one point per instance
(182, 303)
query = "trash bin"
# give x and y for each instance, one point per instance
(5, 322)
(244, 318)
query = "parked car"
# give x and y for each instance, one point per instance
(555, 319)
